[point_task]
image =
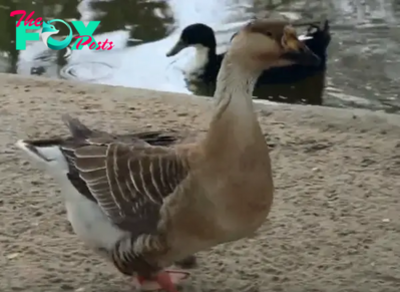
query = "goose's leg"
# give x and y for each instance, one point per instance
(165, 280)
(125, 254)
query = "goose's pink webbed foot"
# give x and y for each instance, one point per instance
(165, 280)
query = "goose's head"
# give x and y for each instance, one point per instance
(262, 44)
(196, 35)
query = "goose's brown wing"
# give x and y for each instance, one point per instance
(83, 136)
(129, 182)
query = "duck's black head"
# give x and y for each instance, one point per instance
(321, 37)
(197, 34)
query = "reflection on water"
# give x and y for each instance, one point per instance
(363, 56)
(145, 20)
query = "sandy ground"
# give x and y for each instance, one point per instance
(334, 225)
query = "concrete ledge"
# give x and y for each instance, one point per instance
(334, 224)
(18, 83)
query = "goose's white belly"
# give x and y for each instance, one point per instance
(88, 221)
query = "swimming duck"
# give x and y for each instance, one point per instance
(275, 82)
(147, 206)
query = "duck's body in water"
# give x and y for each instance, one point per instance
(296, 83)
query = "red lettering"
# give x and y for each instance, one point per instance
(104, 46)
(92, 45)
(16, 12)
(80, 38)
(38, 21)
(29, 21)
(111, 46)
(99, 46)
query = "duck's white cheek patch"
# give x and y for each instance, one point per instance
(304, 37)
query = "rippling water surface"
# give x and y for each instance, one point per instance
(364, 55)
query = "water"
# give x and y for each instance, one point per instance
(363, 66)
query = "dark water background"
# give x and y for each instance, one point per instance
(364, 55)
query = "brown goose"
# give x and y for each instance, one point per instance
(148, 206)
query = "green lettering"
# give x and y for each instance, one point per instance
(85, 30)
(22, 35)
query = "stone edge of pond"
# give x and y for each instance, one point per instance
(297, 113)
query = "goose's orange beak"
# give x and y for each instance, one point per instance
(295, 50)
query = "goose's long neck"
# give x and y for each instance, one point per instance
(234, 120)
(234, 89)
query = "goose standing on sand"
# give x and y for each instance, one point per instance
(277, 81)
(149, 206)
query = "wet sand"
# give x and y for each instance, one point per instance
(334, 224)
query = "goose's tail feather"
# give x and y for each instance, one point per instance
(48, 152)
(45, 153)
(78, 130)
